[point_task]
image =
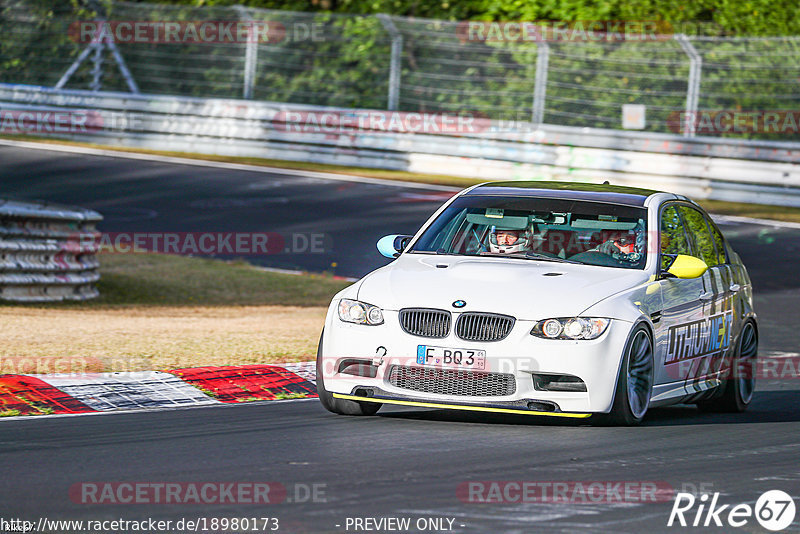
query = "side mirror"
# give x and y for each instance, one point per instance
(392, 245)
(685, 267)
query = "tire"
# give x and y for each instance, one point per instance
(340, 406)
(737, 390)
(634, 383)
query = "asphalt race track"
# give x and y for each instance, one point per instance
(404, 462)
(150, 197)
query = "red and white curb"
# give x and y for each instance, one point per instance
(176, 388)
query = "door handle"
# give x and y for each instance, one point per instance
(735, 287)
(708, 295)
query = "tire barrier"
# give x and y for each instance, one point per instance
(178, 388)
(47, 252)
(737, 170)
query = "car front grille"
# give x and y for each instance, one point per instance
(425, 322)
(452, 381)
(477, 326)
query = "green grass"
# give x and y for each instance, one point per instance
(758, 211)
(280, 163)
(167, 280)
(287, 396)
(208, 392)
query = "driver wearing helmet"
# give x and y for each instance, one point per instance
(620, 245)
(503, 241)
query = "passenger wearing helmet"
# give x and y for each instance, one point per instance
(620, 246)
(504, 241)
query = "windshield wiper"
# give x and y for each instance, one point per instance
(536, 256)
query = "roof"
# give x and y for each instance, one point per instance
(615, 194)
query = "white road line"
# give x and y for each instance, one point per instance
(213, 404)
(301, 173)
(223, 165)
(296, 272)
(752, 220)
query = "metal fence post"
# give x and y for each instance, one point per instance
(689, 123)
(123, 68)
(540, 84)
(97, 68)
(395, 60)
(73, 67)
(250, 55)
(97, 47)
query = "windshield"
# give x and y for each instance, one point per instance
(591, 233)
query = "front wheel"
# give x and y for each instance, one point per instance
(340, 406)
(737, 389)
(635, 381)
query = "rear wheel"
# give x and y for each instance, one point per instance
(635, 381)
(340, 406)
(737, 389)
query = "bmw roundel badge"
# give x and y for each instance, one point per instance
(459, 303)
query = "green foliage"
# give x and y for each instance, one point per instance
(347, 62)
(289, 395)
(165, 280)
(160, 279)
(735, 17)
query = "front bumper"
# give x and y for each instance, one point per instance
(595, 362)
(491, 408)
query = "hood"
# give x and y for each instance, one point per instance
(526, 289)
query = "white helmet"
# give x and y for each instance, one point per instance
(520, 244)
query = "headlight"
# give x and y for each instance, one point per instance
(353, 311)
(571, 328)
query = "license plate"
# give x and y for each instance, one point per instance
(447, 357)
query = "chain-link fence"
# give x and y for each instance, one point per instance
(389, 62)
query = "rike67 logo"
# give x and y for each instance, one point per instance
(774, 510)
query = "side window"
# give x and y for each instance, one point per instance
(698, 231)
(715, 233)
(673, 236)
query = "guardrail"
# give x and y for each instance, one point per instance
(47, 252)
(702, 167)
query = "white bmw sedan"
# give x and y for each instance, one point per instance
(549, 299)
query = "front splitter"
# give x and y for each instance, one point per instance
(466, 407)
